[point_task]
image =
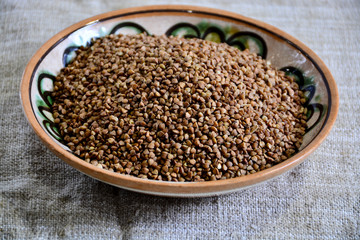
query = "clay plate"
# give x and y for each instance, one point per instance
(282, 50)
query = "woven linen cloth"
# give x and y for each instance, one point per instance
(44, 198)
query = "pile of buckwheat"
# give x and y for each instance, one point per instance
(175, 109)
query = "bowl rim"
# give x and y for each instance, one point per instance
(178, 188)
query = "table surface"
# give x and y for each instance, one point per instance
(42, 197)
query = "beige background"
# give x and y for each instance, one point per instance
(43, 198)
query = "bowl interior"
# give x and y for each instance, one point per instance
(238, 32)
(280, 53)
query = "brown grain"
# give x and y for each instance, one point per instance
(177, 109)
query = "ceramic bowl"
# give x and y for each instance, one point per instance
(282, 50)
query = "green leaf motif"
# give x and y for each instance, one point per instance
(216, 33)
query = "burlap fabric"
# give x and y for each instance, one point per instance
(43, 198)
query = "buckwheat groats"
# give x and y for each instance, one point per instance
(174, 109)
